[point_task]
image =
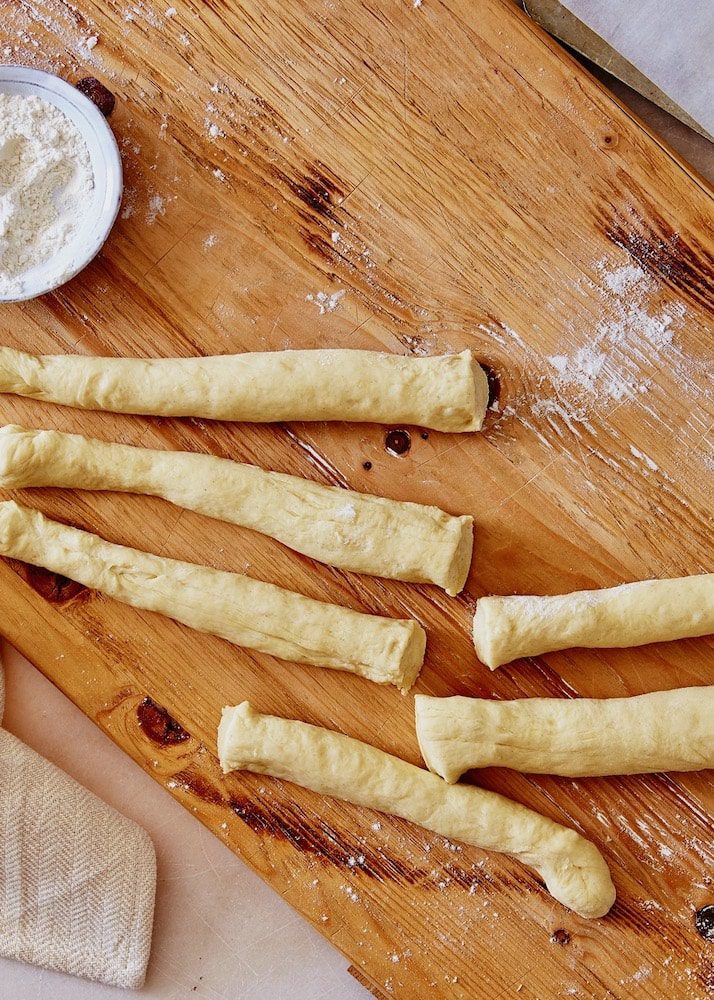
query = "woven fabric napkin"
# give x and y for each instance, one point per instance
(77, 879)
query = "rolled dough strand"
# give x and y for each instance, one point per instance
(447, 393)
(634, 614)
(244, 611)
(332, 764)
(579, 738)
(366, 534)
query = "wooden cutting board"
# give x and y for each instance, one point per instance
(459, 181)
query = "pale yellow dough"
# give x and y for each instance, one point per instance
(663, 731)
(244, 611)
(366, 534)
(331, 764)
(507, 628)
(447, 393)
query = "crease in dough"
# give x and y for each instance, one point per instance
(633, 614)
(447, 393)
(355, 531)
(244, 611)
(332, 764)
(579, 737)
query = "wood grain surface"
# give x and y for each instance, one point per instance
(464, 183)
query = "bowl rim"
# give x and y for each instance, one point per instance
(51, 82)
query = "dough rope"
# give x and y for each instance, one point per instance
(583, 737)
(244, 611)
(355, 531)
(634, 614)
(446, 393)
(332, 764)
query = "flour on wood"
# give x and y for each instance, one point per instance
(633, 340)
(602, 371)
(325, 302)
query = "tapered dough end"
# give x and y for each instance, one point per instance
(234, 719)
(459, 565)
(580, 879)
(400, 661)
(452, 395)
(483, 632)
(430, 746)
(412, 657)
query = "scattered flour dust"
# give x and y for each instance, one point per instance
(601, 369)
(351, 893)
(631, 341)
(642, 973)
(326, 303)
(622, 279)
(156, 207)
(45, 182)
(652, 466)
(214, 131)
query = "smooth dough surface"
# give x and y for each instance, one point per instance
(580, 737)
(332, 764)
(244, 611)
(507, 628)
(366, 534)
(446, 393)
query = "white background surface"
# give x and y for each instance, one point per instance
(219, 931)
(670, 41)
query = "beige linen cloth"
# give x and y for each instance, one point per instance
(77, 879)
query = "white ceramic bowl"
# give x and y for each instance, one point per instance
(106, 166)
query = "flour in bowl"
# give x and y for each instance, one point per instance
(45, 185)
